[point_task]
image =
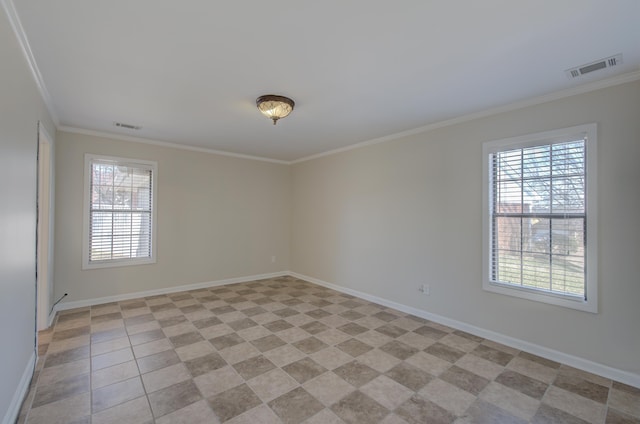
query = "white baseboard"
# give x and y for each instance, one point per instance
(21, 392)
(174, 289)
(554, 355)
(626, 377)
(52, 316)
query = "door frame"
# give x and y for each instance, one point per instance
(44, 237)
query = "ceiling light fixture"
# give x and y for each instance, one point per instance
(274, 107)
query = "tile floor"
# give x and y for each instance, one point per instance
(287, 351)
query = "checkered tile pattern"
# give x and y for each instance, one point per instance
(286, 351)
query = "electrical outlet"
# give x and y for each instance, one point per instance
(425, 289)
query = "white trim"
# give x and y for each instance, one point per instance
(153, 166)
(123, 137)
(52, 316)
(21, 392)
(18, 30)
(554, 355)
(46, 219)
(174, 289)
(581, 89)
(590, 133)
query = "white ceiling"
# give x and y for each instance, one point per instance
(189, 71)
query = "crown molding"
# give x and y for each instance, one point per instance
(18, 29)
(132, 139)
(584, 88)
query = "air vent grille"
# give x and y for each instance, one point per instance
(127, 126)
(594, 66)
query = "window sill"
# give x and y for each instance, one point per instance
(540, 296)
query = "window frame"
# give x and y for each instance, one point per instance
(111, 263)
(589, 132)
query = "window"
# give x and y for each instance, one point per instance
(539, 207)
(119, 218)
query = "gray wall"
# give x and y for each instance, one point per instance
(218, 217)
(386, 218)
(21, 107)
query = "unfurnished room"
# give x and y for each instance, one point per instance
(337, 212)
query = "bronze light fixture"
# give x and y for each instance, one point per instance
(274, 107)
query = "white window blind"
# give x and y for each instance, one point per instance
(120, 211)
(540, 217)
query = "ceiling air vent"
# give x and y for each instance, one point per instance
(127, 126)
(594, 66)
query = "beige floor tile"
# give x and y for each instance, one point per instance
(234, 402)
(293, 335)
(216, 331)
(510, 400)
(108, 325)
(328, 388)
(72, 386)
(136, 411)
(173, 398)
(165, 377)
(115, 394)
(261, 414)
(66, 344)
(194, 350)
(359, 408)
(296, 406)
(480, 366)
(429, 363)
(112, 358)
(238, 353)
(533, 369)
(330, 358)
(416, 340)
(567, 370)
(332, 336)
(448, 396)
(272, 384)
(374, 338)
(407, 324)
(393, 419)
(63, 411)
(176, 330)
(141, 328)
(500, 346)
(284, 355)
(458, 342)
(254, 333)
(625, 402)
(109, 346)
(114, 374)
(485, 412)
(379, 360)
(57, 373)
(152, 348)
(128, 313)
(386, 392)
(218, 381)
(326, 416)
(574, 404)
(75, 323)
